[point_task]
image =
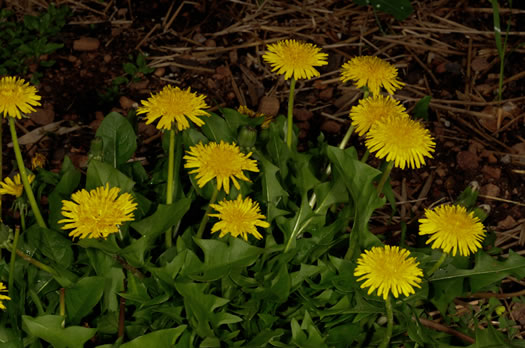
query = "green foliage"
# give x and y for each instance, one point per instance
(294, 288)
(27, 41)
(134, 71)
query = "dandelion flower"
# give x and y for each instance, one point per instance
(3, 297)
(238, 218)
(401, 140)
(372, 109)
(295, 59)
(221, 161)
(373, 72)
(17, 97)
(452, 228)
(173, 105)
(38, 161)
(388, 269)
(16, 187)
(97, 213)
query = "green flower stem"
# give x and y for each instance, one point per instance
(290, 114)
(36, 263)
(206, 216)
(437, 264)
(11, 278)
(353, 245)
(346, 138)
(23, 175)
(169, 186)
(390, 323)
(384, 177)
(62, 305)
(365, 156)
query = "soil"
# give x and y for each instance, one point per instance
(445, 49)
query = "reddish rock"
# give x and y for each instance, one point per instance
(86, 44)
(490, 190)
(302, 114)
(127, 103)
(269, 106)
(331, 126)
(327, 94)
(493, 172)
(467, 160)
(507, 223)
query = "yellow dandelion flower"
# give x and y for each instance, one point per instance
(173, 105)
(372, 109)
(388, 269)
(16, 187)
(401, 140)
(97, 213)
(221, 161)
(373, 72)
(3, 297)
(239, 218)
(295, 59)
(452, 228)
(17, 97)
(38, 161)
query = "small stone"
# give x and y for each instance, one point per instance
(159, 72)
(331, 126)
(441, 172)
(139, 84)
(210, 43)
(269, 106)
(72, 58)
(493, 172)
(318, 84)
(490, 190)
(302, 114)
(467, 160)
(475, 147)
(107, 58)
(327, 94)
(86, 44)
(126, 103)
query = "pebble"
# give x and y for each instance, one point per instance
(86, 44)
(107, 58)
(331, 126)
(467, 160)
(493, 172)
(507, 223)
(159, 72)
(269, 106)
(326, 94)
(490, 190)
(126, 103)
(301, 114)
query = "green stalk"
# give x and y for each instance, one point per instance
(11, 279)
(437, 264)
(23, 175)
(390, 323)
(62, 306)
(384, 177)
(36, 263)
(365, 156)
(169, 192)
(290, 114)
(206, 216)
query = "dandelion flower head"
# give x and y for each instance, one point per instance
(374, 108)
(295, 59)
(16, 187)
(452, 229)
(38, 161)
(3, 297)
(401, 140)
(372, 72)
(238, 218)
(219, 161)
(174, 106)
(97, 213)
(388, 269)
(17, 97)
